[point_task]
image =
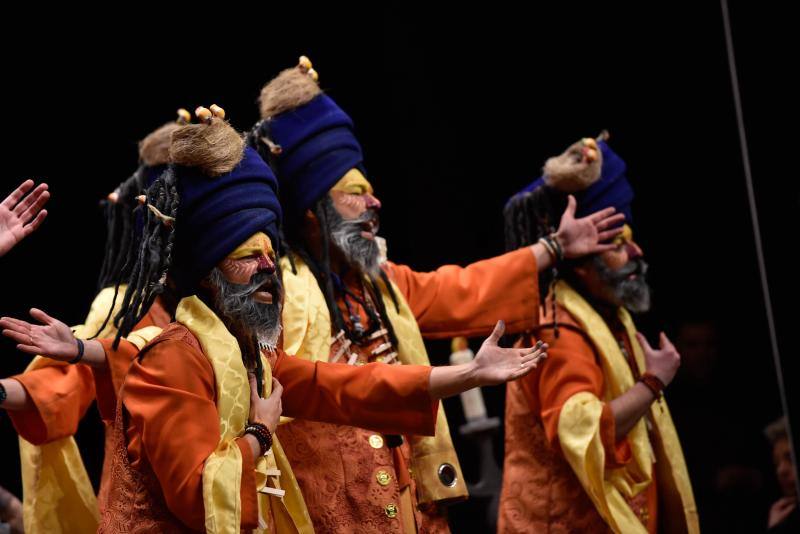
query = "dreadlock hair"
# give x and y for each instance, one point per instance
(120, 224)
(530, 216)
(122, 239)
(148, 272)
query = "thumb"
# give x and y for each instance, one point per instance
(497, 333)
(277, 388)
(664, 342)
(572, 205)
(253, 387)
(643, 342)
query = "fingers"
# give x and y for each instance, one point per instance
(664, 342)
(42, 317)
(12, 199)
(605, 235)
(31, 199)
(609, 220)
(643, 342)
(277, 388)
(15, 324)
(497, 333)
(604, 213)
(37, 204)
(253, 388)
(20, 337)
(29, 228)
(524, 369)
(29, 349)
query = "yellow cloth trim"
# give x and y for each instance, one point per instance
(579, 433)
(57, 494)
(353, 183)
(258, 243)
(222, 470)
(307, 334)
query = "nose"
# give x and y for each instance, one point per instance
(372, 202)
(265, 264)
(634, 251)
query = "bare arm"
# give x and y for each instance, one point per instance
(16, 396)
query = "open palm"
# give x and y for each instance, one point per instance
(496, 365)
(19, 216)
(587, 235)
(52, 338)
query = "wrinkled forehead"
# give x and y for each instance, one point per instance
(354, 183)
(258, 243)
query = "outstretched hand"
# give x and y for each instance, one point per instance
(19, 216)
(590, 234)
(52, 338)
(496, 365)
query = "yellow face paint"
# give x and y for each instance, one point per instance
(625, 237)
(258, 243)
(353, 183)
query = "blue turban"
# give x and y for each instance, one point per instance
(318, 147)
(216, 215)
(611, 190)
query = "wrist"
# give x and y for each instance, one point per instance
(472, 375)
(81, 348)
(262, 434)
(653, 383)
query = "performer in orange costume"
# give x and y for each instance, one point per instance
(48, 400)
(349, 307)
(194, 444)
(590, 445)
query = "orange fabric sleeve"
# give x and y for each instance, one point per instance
(108, 380)
(248, 495)
(392, 399)
(174, 425)
(468, 301)
(61, 394)
(571, 367)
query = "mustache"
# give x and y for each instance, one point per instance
(370, 215)
(638, 267)
(259, 281)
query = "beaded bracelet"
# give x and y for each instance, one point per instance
(262, 434)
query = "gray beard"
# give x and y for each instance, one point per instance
(633, 295)
(235, 302)
(361, 253)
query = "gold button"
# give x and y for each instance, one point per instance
(383, 477)
(391, 510)
(375, 441)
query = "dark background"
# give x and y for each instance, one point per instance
(457, 109)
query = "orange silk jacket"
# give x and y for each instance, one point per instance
(351, 480)
(172, 425)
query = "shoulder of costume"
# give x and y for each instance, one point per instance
(174, 331)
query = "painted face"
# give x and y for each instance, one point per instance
(618, 276)
(353, 198)
(625, 250)
(253, 256)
